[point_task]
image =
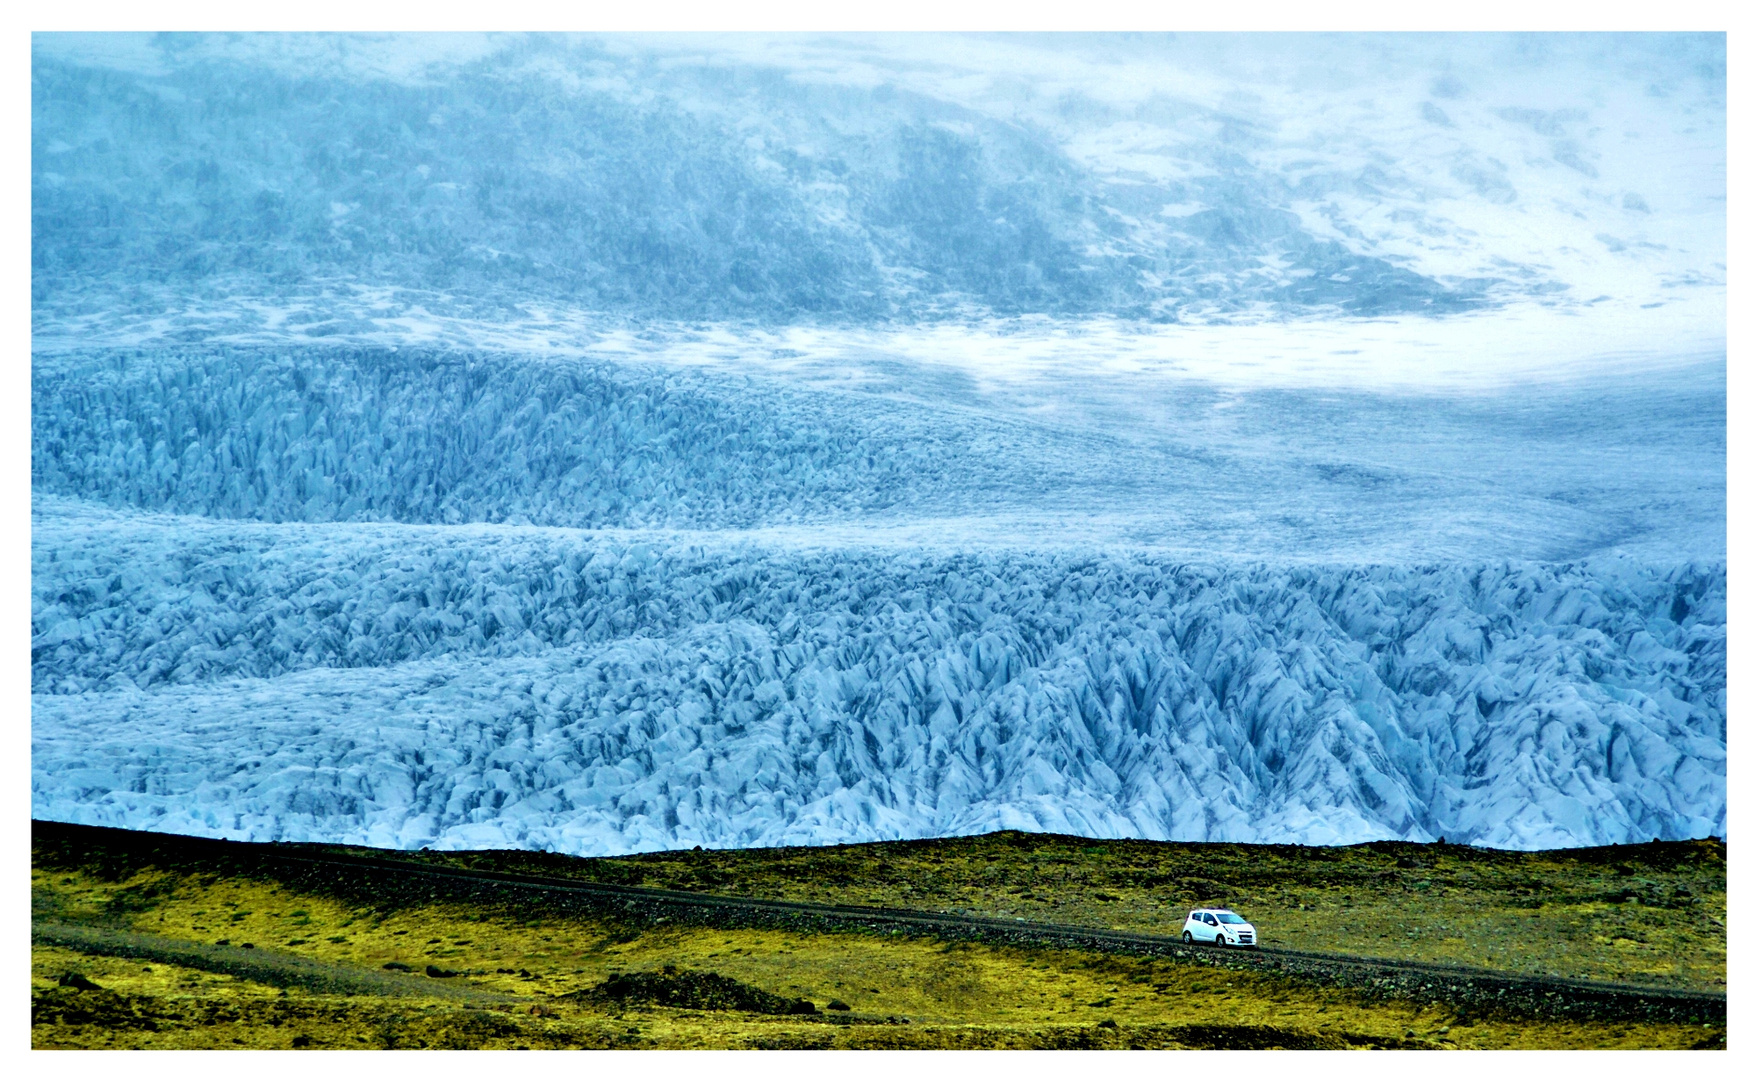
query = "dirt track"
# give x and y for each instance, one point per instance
(257, 965)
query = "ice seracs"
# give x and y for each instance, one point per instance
(566, 690)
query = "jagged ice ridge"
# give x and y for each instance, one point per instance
(410, 686)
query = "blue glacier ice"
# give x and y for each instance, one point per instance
(607, 444)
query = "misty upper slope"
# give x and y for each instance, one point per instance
(504, 181)
(852, 179)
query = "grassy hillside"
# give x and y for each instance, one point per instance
(162, 950)
(1651, 913)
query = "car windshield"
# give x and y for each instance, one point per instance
(1228, 917)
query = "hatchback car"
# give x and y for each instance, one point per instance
(1218, 926)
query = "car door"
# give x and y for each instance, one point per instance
(1205, 928)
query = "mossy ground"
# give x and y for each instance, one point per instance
(951, 995)
(1650, 913)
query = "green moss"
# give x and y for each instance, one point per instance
(541, 985)
(1648, 913)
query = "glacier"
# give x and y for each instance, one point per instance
(605, 445)
(443, 435)
(407, 685)
(415, 597)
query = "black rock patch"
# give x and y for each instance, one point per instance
(707, 990)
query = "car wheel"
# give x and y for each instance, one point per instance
(1187, 938)
(1219, 941)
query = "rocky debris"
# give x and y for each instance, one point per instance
(707, 990)
(75, 1000)
(1265, 1037)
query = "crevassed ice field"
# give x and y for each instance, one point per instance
(614, 444)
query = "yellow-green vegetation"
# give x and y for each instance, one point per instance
(537, 978)
(1650, 913)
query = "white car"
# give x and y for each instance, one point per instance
(1218, 926)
